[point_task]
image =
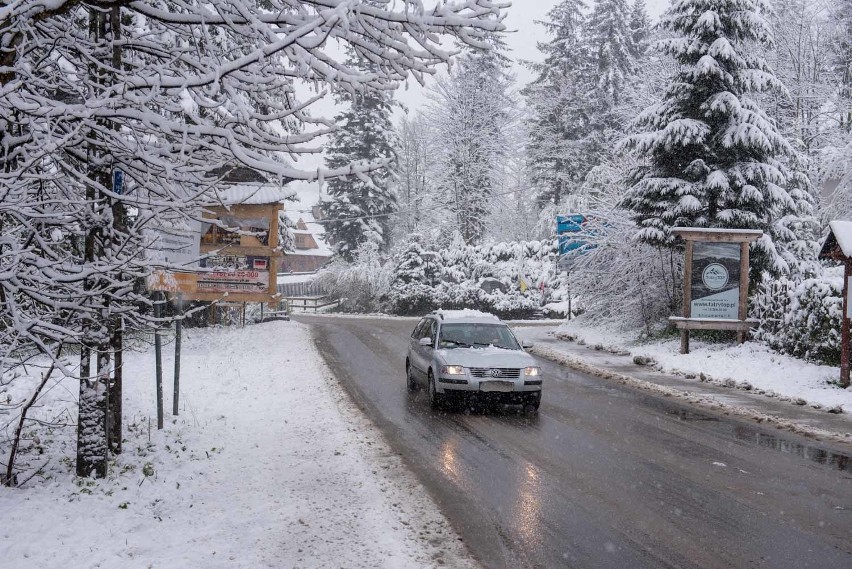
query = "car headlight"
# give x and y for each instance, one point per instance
(452, 370)
(532, 371)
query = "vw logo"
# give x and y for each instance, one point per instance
(495, 373)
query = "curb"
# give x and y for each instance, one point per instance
(705, 402)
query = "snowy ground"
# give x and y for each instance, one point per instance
(268, 465)
(752, 362)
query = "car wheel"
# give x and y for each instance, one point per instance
(436, 400)
(409, 378)
(532, 403)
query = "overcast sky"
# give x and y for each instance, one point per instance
(521, 19)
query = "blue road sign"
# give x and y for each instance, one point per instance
(118, 181)
(567, 228)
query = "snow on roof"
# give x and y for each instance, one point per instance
(842, 231)
(718, 233)
(252, 194)
(716, 230)
(466, 314)
(315, 229)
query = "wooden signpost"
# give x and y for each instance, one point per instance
(238, 247)
(715, 281)
(838, 247)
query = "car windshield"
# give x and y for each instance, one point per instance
(463, 335)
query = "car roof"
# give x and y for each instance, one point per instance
(466, 316)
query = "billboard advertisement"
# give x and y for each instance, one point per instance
(715, 281)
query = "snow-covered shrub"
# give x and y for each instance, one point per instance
(621, 280)
(802, 319)
(414, 277)
(525, 271)
(362, 285)
(509, 279)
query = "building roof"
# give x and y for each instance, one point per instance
(839, 236)
(251, 193)
(314, 229)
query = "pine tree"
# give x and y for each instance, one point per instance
(713, 156)
(611, 42)
(640, 28)
(414, 279)
(557, 100)
(359, 205)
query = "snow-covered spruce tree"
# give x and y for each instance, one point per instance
(470, 112)
(611, 45)
(359, 206)
(174, 92)
(640, 27)
(559, 107)
(713, 158)
(414, 276)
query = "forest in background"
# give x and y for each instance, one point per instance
(734, 115)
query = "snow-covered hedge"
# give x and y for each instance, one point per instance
(802, 319)
(508, 279)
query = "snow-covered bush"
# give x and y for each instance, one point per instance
(362, 285)
(414, 277)
(621, 280)
(508, 279)
(617, 278)
(802, 319)
(524, 270)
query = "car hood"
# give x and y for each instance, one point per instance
(486, 357)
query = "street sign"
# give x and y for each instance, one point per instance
(570, 229)
(118, 181)
(176, 245)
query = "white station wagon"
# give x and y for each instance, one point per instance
(465, 352)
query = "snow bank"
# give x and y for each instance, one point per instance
(752, 363)
(268, 465)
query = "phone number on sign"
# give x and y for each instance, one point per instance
(237, 274)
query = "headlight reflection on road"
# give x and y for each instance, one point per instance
(449, 460)
(528, 505)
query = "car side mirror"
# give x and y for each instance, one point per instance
(425, 342)
(526, 345)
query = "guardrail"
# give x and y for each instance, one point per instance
(306, 303)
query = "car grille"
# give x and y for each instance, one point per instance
(505, 372)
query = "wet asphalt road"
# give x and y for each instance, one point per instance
(604, 475)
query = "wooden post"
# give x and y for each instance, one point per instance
(844, 326)
(115, 434)
(687, 296)
(158, 354)
(743, 309)
(178, 332)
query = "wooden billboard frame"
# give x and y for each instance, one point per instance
(183, 287)
(834, 251)
(270, 212)
(685, 323)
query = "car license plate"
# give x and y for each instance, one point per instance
(496, 386)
